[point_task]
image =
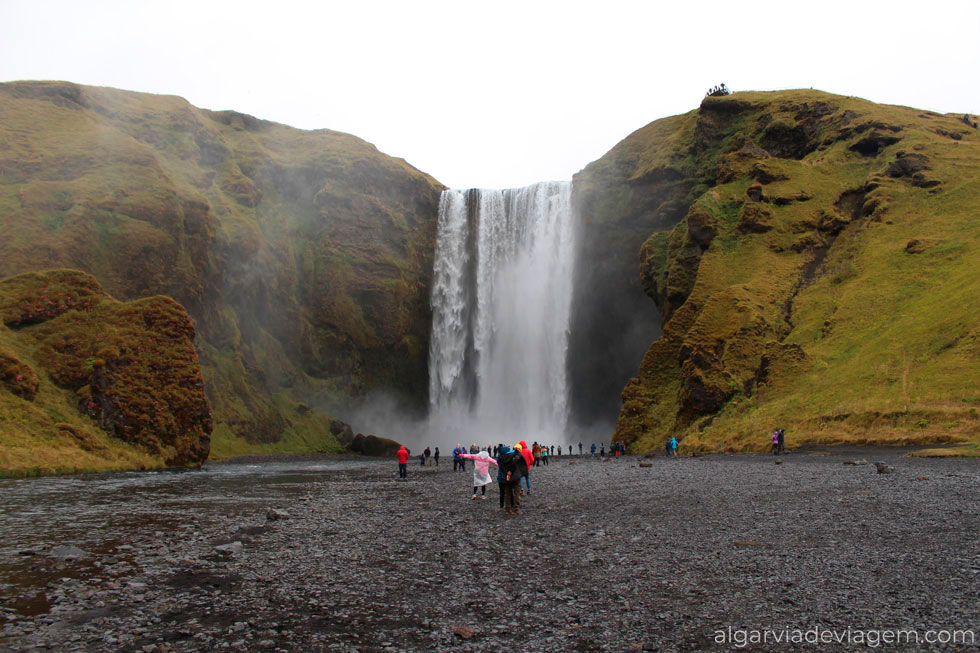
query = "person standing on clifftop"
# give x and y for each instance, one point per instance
(481, 471)
(402, 456)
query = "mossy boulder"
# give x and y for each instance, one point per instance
(372, 445)
(129, 368)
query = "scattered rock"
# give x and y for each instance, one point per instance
(859, 461)
(67, 552)
(232, 548)
(884, 468)
(922, 478)
(274, 514)
(779, 462)
(464, 631)
(646, 464)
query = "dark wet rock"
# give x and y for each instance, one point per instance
(884, 468)
(874, 143)
(274, 514)
(644, 464)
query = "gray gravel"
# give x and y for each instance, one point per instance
(606, 556)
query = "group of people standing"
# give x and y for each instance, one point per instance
(778, 441)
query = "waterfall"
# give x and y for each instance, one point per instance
(501, 302)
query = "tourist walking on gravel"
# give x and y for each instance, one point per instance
(528, 462)
(782, 440)
(402, 456)
(593, 449)
(673, 446)
(580, 448)
(436, 456)
(427, 454)
(481, 472)
(775, 442)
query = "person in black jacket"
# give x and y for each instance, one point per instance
(510, 467)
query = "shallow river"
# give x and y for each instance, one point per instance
(100, 512)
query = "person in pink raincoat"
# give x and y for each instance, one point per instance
(481, 472)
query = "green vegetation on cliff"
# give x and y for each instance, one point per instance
(303, 257)
(90, 384)
(820, 276)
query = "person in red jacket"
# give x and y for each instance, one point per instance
(402, 456)
(529, 458)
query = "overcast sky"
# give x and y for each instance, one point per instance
(495, 94)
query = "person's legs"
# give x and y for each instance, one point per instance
(511, 494)
(500, 486)
(483, 491)
(474, 491)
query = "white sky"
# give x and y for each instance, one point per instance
(495, 94)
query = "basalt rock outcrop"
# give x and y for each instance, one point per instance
(774, 233)
(84, 377)
(303, 257)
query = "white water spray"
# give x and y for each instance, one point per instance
(501, 303)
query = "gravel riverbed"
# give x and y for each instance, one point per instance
(683, 554)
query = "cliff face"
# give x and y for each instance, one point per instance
(303, 257)
(69, 352)
(810, 256)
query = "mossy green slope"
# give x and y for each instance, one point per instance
(89, 384)
(303, 257)
(823, 278)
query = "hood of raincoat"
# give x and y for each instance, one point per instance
(484, 455)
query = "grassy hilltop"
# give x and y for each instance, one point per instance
(303, 257)
(813, 258)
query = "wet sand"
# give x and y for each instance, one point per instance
(606, 556)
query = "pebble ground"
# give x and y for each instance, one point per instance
(685, 554)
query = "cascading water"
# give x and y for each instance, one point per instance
(501, 303)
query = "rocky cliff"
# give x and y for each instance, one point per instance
(89, 383)
(812, 260)
(303, 257)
